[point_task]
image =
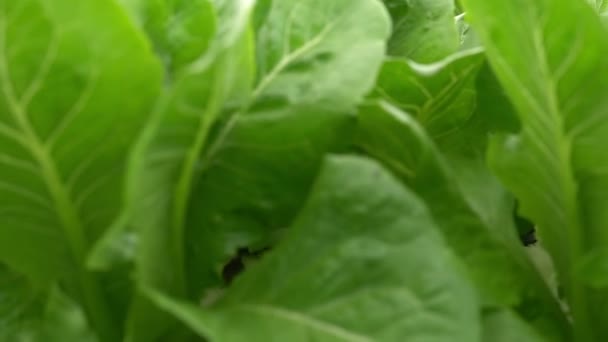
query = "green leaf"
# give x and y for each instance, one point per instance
(440, 95)
(179, 29)
(592, 268)
(19, 305)
(467, 36)
(394, 138)
(348, 270)
(64, 321)
(423, 30)
(65, 133)
(550, 58)
(165, 166)
(464, 149)
(505, 326)
(262, 159)
(165, 159)
(478, 232)
(26, 315)
(493, 105)
(604, 18)
(599, 5)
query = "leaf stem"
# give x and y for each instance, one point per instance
(185, 182)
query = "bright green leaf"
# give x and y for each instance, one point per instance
(550, 58)
(65, 134)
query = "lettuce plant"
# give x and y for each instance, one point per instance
(303, 170)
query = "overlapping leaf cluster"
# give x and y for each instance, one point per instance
(377, 158)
